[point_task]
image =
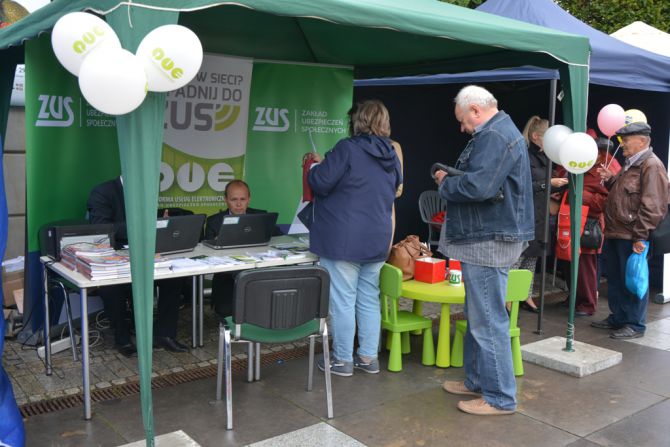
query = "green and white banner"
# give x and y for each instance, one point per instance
(294, 109)
(205, 135)
(70, 146)
(231, 123)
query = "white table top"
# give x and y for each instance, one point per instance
(82, 281)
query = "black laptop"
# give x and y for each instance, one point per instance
(244, 230)
(177, 234)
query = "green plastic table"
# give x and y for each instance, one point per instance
(443, 293)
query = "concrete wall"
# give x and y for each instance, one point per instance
(14, 162)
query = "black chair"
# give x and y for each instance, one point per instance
(275, 305)
(430, 203)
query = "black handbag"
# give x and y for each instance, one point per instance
(592, 237)
(660, 237)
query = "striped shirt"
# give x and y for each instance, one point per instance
(487, 253)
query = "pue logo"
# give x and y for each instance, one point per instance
(268, 119)
(55, 111)
(88, 39)
(166, 65)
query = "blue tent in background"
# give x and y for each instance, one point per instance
(613, 63)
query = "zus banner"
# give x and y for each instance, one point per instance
(293, 109)
(70, 146)
(205, 135)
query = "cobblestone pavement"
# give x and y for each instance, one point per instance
(107, 367)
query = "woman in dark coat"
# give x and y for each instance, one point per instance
(533, 133)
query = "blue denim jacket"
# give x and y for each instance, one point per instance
(496, 157)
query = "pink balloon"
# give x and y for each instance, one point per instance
(611, 118)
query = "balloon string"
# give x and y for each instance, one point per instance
(612, 157)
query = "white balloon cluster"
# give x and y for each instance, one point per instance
(113, 80)
(575, 151)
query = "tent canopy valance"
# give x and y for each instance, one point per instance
(379, 38)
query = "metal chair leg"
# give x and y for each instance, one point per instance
(553, 279)
(250, 362)
(257, 359)
(310, 371)
(229, 381)
(68, 314)
(73, 339)
(219, 362)
(326, 364)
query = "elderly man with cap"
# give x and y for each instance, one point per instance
(637, 202)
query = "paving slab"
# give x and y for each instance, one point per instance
(585, 360)
(320, 434)
(175, 439)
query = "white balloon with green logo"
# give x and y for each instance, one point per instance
(552, 140)
(78, 34)
(113, 81)
(578, 152)
(172, 55)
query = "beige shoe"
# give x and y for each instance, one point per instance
(481, 408)
(453, 387)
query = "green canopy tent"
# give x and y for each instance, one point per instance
(377, 37)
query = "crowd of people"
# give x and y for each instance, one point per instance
(497, 213)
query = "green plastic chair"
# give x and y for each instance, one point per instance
(518, 286)
(399, 323)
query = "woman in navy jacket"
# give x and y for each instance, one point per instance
(354, 189)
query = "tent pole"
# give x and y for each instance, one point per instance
(664, 296)
(547, 181)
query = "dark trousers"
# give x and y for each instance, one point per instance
(222, 293)
(587, 282)
(116, 298)
(626, 309)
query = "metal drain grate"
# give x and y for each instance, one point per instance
(133, 388)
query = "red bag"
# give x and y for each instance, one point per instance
(438, 218)
(563, 250)
(307, 162)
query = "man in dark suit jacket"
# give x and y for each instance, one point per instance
(106, 205)
(237, 196)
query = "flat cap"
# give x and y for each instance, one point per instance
(634, 129)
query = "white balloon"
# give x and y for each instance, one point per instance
(76, 35)
(552, 140)
(113, 80)
(172, 55)
(578, 153)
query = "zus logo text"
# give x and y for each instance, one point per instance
(55, 111)
(271, 120)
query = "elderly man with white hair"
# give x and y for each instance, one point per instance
(490, 223)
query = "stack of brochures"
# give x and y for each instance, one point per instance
(69, 253)
(96, 268)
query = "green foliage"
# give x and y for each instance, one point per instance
(611, 15)
(607, 15)
(472, 4)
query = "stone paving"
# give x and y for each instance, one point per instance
(108, 367)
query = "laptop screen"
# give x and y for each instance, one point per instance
(178, 233)
(244, 230)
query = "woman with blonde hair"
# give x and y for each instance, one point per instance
(533, 133)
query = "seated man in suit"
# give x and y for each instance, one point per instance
(106, 205)
(237, 196)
